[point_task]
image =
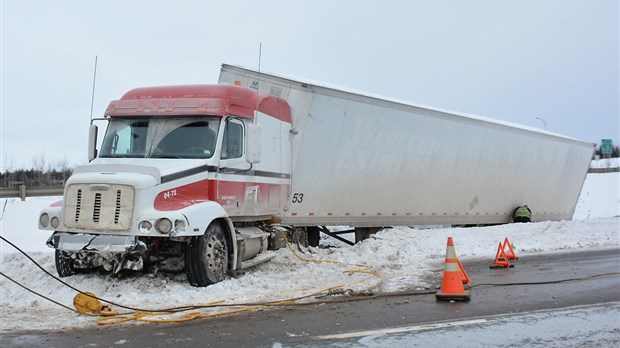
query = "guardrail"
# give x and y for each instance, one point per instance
(604, 170)
(22, 192)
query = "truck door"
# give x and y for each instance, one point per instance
(236, 184)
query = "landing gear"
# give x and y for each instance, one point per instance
(206, 257)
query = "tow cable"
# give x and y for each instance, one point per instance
(87, 303)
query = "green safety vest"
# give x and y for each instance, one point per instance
(523, 212)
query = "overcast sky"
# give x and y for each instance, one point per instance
(518, 61)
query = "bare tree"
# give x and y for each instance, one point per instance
(7, 163)
(38, 165)
(62, 167)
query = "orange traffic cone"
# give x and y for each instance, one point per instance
(501, 261)
(452, 284)
(510, 254)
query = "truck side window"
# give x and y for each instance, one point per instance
(232, 144)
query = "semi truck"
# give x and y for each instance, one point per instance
(208, 178)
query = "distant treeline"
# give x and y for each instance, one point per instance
(35, 178)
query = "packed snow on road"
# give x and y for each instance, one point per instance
(402, 258)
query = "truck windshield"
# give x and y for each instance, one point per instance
(159, 137)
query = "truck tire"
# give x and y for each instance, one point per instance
(64, 264)
(206, 257)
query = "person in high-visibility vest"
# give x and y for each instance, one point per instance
(522, 214)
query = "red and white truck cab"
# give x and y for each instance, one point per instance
(182, 170)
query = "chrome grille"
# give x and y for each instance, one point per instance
(99, 207)
(117, 209)
(78, 205)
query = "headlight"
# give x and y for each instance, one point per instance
(44, 220)
(145, 226)
(164, 225)
(179, 225)
(55, 222)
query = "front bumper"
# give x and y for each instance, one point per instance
(112, 253)
(95, 243)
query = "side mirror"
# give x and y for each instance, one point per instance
(92, 142)
(253, 143)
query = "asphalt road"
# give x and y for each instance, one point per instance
(308, 325)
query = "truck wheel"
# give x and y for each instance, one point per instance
(64, 264)
(206, 257)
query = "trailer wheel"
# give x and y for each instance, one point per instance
(206, 257)
(64, 264)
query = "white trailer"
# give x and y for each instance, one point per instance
(208, 177)
(366, 161)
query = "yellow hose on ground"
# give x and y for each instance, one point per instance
(90, 304)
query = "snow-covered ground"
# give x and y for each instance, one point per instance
(606, 163)
(404, 257)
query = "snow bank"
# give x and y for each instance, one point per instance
(606, 163)
(600, 197)
(404, 257)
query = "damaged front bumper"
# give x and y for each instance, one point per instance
(113, 253)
